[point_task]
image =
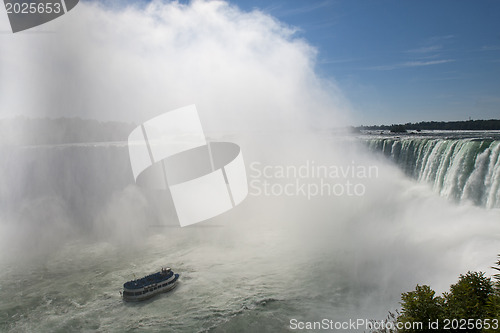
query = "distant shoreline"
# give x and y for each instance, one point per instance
(468, 125)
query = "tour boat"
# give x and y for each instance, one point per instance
(148, 286)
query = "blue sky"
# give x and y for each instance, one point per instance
(394, 61)
(403, 61)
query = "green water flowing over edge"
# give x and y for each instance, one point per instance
(459, 169)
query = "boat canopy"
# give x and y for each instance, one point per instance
(158, 277)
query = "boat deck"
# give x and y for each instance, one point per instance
(149, 280)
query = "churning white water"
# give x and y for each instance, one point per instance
(268, 261)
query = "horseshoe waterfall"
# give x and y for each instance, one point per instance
(464, 170)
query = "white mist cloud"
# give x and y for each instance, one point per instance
(244, 70)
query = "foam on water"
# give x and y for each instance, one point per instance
(255, 267)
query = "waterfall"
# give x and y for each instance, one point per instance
(459, 169)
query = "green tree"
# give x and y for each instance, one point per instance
(473, 297)
(468, 298)
(398, 129)
(473, 300)
(421, 305)
(497, 276)
(493, 304)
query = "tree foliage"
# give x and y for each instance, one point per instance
(474, 297)
(421, 305)
(398, 129)
(468, 297)
(493, 305)
(497, 276)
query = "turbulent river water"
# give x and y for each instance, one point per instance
(74, 228)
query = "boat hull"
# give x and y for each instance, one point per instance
(151, 292)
